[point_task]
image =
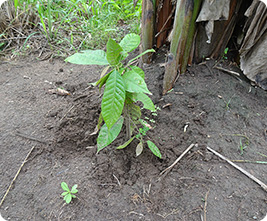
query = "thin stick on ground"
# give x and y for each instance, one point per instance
(15, 177)
(263, 185)
(67, 112)
(177, 160)
(205, 206)
(117, 180)
(227, 71)
(18, 133)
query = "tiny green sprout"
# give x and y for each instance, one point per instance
(152, 121)
(242, 146)
(158, 108)
(69, 194)
(225, 53)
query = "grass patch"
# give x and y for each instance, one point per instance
(64, 27)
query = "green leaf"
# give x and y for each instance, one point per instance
(130, 97)
(138, 71)
(89, 57)
(107, 136)
(113, 99)
(148, 104)
(125, 144)
(124, 55)
(134, 82)
(102, 81)
(154, 148)
(140, 55)
(65, 187)
(134, 112)
(139, 149)
(104, 71)
(67, 198)
(74, 189)
(64, 194)
(113, 52)
(130, 42)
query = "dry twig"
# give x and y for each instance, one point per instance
(67, 112)
(18, 133)
(205, 206)
(263, 185)
(227, 71)
(117, 180)
(15, 177)
(177, 160)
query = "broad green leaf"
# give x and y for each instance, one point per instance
(138, 71)
(113, 52)
(154, 148)
(113, 99)
(89, 57)
(140, 55)
(73, 196)
(64, 194)
(104, 79)
(134, 82)
(67, 198)
(65, 187)
(148, 104)
(107, 136)
(130, 42)
(139, 149)
(125, 144)
(74, 189)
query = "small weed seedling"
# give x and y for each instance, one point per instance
(242, 146)
(225, 53)
(227, 103)
(124, 85)
(68, 194)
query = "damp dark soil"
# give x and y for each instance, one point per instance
(207, 107)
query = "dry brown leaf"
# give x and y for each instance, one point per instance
(59, 91)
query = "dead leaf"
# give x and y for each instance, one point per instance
(139, 149)
(167, 105)
(59, 91)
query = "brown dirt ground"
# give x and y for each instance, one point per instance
(220, 110)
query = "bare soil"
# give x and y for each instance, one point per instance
(207, 107)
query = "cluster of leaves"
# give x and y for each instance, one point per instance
(68, 194)
(124, 86)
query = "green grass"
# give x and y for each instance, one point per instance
(73, 25)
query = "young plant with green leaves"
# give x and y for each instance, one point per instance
(124, 86)
(68, 194)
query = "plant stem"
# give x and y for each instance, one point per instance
(127, 123)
